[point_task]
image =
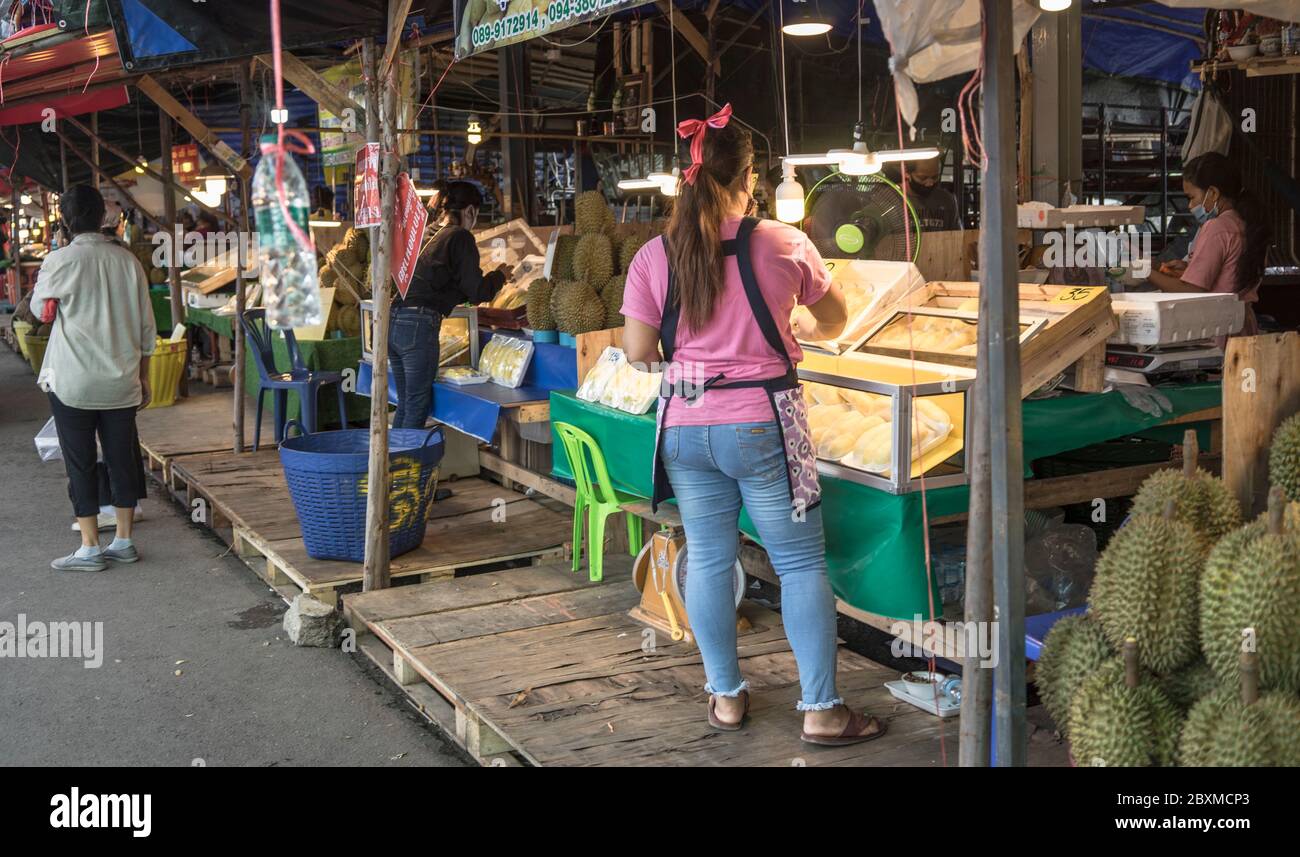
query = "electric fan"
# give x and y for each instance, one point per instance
(861, 217)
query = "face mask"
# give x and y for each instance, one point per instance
(1203, 216)
(921, 189)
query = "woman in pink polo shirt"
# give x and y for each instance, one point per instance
(1229, 250)
(716, 295)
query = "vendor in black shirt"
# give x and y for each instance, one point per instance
(935, 206)
(447, 275)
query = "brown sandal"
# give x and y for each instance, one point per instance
(852, 733)
(722, 725)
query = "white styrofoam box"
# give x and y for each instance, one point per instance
(1038, 216)
(1161, 318)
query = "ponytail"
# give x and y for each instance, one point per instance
(694, 229)
(1215, 170)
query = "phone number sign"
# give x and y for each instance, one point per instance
(487, 24)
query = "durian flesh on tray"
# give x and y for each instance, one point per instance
(855, 428)
(941, 334)
(630, 389)
(870, 287)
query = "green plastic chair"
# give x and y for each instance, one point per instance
(597, 499)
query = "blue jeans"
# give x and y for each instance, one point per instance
(413, 356)
(713, 469)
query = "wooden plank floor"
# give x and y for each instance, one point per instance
(541, 664)
(201, 422)
(482, 523)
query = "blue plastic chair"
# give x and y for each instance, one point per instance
(305, 382)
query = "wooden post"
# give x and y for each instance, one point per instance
(381, 103)
(1025, 153)
(63, 161)
(94, 149)
(998, 265)
(245, 205)
(976, 678)
(1261, 387)
(169, 218)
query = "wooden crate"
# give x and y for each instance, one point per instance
(1079, 321)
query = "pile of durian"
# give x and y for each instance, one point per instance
(585, 290)
(346, 269)
(1205, 610)
(855, 428)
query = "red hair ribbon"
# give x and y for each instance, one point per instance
(694, 129)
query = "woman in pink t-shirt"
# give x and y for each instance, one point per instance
(716, 296)
(1230, 247)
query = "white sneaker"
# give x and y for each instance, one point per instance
(108, 520)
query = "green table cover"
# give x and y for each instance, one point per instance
(161, 299)
(875, 551)
(321, 354)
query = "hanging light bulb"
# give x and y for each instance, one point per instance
(25, 199)
(789, 196)
(638, 184)
(474, 130)
(1054, 5)
(667, 181)
(803, 21)
(139, 168)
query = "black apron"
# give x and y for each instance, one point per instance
(783, 392)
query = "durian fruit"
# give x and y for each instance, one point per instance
(1253, 581)
(562, 263)
(1242, 728)
(592, 214)
(348, 318)
(1200, 500)
(627, 249)
(593, 260)
(1117, 720)
(577, 307)
(1284, 458)
(1188, 685)
(1072, 651)
(540, 315)
(1147, 587)
(612, 295)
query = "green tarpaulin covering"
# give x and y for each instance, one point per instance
(874, 540)
(323, 354)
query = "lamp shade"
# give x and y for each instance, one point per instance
(804, 19)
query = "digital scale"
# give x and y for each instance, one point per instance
(1134, 364)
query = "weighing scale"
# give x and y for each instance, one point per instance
(1164, 362)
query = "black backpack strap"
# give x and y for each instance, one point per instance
(757, 303)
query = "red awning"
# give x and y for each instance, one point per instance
(103, 98)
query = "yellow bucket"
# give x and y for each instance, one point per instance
(21, 330)
(36, 350)
(165, 370)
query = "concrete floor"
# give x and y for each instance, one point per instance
(244, 696)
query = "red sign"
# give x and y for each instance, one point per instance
(410, 217)
(366, 192)
(185, 165)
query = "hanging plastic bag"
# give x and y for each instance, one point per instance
(1210, 129)
(47, 442)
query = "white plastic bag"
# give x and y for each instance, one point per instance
(598, 377)
(47, 442)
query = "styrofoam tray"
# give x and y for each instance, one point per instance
(1161, 318)
(946, 707)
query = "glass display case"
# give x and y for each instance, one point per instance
(457, 337)
(886, 422)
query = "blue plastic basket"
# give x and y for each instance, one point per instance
(327, 474)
